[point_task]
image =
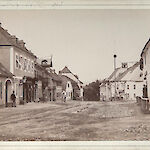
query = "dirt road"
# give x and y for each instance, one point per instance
(74, 120)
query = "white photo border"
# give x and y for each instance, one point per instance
(74, 4)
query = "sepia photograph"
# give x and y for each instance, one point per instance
(75, 75)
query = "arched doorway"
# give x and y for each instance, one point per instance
(8, 90)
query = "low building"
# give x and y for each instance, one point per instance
(39, 73)
(131, 83)
(70, 87)
(79, 91)
(105, 91)
(124, 83)
(108, 88)
(57, 85)
(54, 81)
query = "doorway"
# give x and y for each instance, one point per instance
(8, 91)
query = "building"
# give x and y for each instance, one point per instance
(54, 81)
(124, 83)
(39, 74)
(108, 88)
(70, 87)
(56, 85)
(105, 91)
(18, 60)
(79, 91)
(145, 69)
(131, 83)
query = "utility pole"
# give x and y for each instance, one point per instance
(115, 56)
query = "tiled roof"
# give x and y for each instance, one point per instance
(12, 42)
(65, 70)
(4, 72)
(131, 74)
(116, 73)
(112, 75)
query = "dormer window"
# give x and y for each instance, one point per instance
(141, 64)
(124, 65)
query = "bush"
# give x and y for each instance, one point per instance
(91, 91)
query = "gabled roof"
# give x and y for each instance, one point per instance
(112, 75)
(10, 42)
(4, 72)
(116, 73)
(65, 70)
(131, 74)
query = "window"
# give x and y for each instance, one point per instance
(32, 67)
(134, 87)
(127, 86)
(134, 95)
(29, 65)
(17, 61)
(25, 64)
(141, 64)
(20, 92)
(68, 85)
(21, 62)
(127, 95)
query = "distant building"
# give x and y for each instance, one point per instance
(130, 83)
(105, 91)
(125, 82)
(79, 91)
(67, 87)
(54, 86)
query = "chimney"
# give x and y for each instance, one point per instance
(14, 39)
(21, 43)
(124, 65)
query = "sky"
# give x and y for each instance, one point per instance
(83, 40)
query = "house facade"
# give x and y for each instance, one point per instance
(124, 83)
(20, 62)
(67, 86)
(78, 91)
(105, 90)
(145, 69)
(110, 86)
(132, 82)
